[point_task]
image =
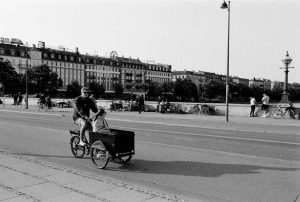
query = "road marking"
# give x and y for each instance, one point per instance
(199, 134)
(168, 124)
(207, 127)
(215, 136)
(222, 152)
(194, 134)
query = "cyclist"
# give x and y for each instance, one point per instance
(83, 105)
(42, 100)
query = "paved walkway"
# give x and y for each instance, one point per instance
(25, 179)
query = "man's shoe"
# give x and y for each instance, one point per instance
(81, 144)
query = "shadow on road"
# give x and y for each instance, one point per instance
(187, 168)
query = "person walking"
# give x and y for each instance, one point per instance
(252, 106)
(15, 99)
(20, 99)
(141, 103)
(265, 104)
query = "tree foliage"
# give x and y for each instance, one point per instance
(41, 80)
(9, 78)
(185, 90)
(118, 89)
(96, 89)
(73, 89)
(167, 87)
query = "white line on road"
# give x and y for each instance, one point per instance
(222, 152)
(216, 136)
(194, 134)
(167, 124)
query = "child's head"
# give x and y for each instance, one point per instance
(101, 111)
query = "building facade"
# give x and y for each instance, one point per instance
(264, 84)
(70, 66)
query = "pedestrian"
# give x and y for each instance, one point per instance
(252, 106)
(141, 103)
(15, 99)
(265, 104)
(48, 102)
(20, 99)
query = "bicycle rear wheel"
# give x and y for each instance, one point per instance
(99, 157)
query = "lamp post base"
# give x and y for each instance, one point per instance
(285, 98)
(284, 102)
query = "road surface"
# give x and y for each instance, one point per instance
(194, 157)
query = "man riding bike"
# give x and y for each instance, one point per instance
(83, 105)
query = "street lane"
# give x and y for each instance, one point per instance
(172, 158)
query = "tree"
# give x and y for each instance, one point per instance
(96, 89)
(178, 89)
(154, 90)
(73, 89)
(42, 80)
(10, 79)
(185, 90)
(213, 89)
(118, 89)
(167, 87)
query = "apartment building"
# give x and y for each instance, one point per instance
(73, 66)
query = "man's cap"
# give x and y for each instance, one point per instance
(84, 89)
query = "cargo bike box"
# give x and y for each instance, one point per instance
(107, 146)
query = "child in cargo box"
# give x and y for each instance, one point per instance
(99, 123)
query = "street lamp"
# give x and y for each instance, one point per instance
(286, 61)
(26, 75)
(227, 6)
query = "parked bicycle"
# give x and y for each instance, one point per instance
(283, 112)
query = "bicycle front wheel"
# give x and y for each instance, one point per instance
(277, 114)
(77, 151)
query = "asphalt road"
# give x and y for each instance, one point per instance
(193, 157)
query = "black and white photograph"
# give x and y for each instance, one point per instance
(150, 100)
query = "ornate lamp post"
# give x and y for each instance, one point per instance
(286, 61)
(227, 6)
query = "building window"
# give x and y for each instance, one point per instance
(45, 55)
(22, 53)
(52, 55)
(59, 57)
(72, 58)
(12, 52)
(2, 51)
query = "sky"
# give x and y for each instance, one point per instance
(187, 34)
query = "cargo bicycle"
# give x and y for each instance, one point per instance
(104, 146)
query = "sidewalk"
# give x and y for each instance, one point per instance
(23, 179)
